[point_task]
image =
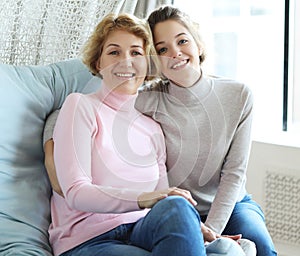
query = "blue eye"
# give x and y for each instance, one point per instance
(114, 53)
(182, 41)
(136, 53)
(162, 50)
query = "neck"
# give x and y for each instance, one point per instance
(116, 100)
(188, 81)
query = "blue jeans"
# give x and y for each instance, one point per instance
(172, 227)
(248, 219)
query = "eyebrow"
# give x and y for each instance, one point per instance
(116, 45)
(178, 35)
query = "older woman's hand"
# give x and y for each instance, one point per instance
(149, 199)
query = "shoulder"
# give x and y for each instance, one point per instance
(79, 103)
(231, 88)
(224, 81)
(70, 102)
(73, 98)
(80, 98)
(149, 97)
(155, 86)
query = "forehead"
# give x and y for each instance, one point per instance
(169, 29)
(123, 38)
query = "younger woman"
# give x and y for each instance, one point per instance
(207, 123)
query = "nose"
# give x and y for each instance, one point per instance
(175, 52)
(127, 60)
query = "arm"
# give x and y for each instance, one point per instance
(233, 168)
(74, 133)
(50, 167)
(145, 200)
(146, 103)
(74, 151)
(48, 151)
(149, 199)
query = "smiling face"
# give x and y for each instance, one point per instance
(178, 52)
(123, 63)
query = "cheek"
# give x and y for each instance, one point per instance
(105, 70)
(142, 66)
(164, 62)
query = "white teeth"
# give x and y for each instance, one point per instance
(179, 64)
(128, 75)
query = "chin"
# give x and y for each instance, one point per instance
(123, 89)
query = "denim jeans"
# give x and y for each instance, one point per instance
(248, 219)
(172, 227)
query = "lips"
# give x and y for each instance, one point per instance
(179, 64)
(124, 75)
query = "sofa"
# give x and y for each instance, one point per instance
(28, 94)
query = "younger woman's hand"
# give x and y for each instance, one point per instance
(208, 234)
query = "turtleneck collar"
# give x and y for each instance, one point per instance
(117, 101)
(191, 95)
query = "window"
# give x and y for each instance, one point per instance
(294, 89)
(245, 41)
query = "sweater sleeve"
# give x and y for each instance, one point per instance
(74, 130)
(49, 126)
(233, 173)
(147, 102)
(161, 155)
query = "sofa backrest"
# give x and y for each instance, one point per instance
(28, 94)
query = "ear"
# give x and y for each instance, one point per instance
(201, 54)
(200, 51)
(98, 65)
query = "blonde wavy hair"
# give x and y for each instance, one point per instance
(93, 48)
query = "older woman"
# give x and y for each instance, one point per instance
(110, 160)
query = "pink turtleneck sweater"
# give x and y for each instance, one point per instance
(106, 154)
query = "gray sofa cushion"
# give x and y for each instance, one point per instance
(28, 94)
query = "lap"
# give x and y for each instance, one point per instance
(111, 243)
(107, 248)
(248, 219)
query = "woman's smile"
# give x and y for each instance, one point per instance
(180, 65)
(125, 75)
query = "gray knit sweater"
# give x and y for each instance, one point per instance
(207, 130)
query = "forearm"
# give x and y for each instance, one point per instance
(233, 174)
(50, 166)
(222, 206)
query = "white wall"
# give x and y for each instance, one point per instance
(274, 181)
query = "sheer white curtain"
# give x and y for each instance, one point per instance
(143, 8)
(45, 31)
